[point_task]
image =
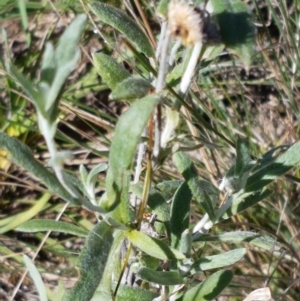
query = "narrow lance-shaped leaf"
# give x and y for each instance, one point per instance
(243, 157)
(240, 203)
(92, 262)
(275, 168)
(130, 88)
(126, 293)
(21, 155)
(109, 69)
(66, 56)
(113, 267)
(236, 27)
(120, 21)
(158, 204)
(153, 246)
(168, 188)
(204, 192)
(30, 89)
(255, 239)
(218, 261)
(162, 278)
(37, 225)
(180, 214)
(210, 288)
(127, 136)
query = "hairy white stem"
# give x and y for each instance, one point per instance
(163, 63)
(173, 52)
(172, 120)
(164, 27)
(205, 223)
(188, 74)
(157, 136)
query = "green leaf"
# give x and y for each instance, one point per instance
(203, 191)
(38, 225)
(94, 172)
(237, 176)
(262, 241)
(162, 278)
(152, 246)
(109, 69)
(178, 70)
(243, 156)
(269, 169)
(30, 89)
(180, 214)
(168, 188)
(92, 262)
(48, 64)
(113, 267)
(21, 155)
(24, 19)
(36, 277)
(83, 174)
(127, 293)
(240, 203)
(162, 8)
(120, 21)
(127, 136)
(236, 27)
(130, 88)
(210, 288)
(66, 57)
(157, 203)
(218, 261)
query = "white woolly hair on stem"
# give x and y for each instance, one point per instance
(173, 52)
(164, 27)
(188, 74)
(160, 84)
(138, 170)
(163, 64)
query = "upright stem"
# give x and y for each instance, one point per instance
(188, 74)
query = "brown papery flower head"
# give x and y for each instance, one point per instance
(185, 22)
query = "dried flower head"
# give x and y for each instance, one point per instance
(191, 24)
(184, 22)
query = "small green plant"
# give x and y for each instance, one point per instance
(162, 257)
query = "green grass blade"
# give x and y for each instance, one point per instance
(22, 217)
(24, 19)
(36, 277)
